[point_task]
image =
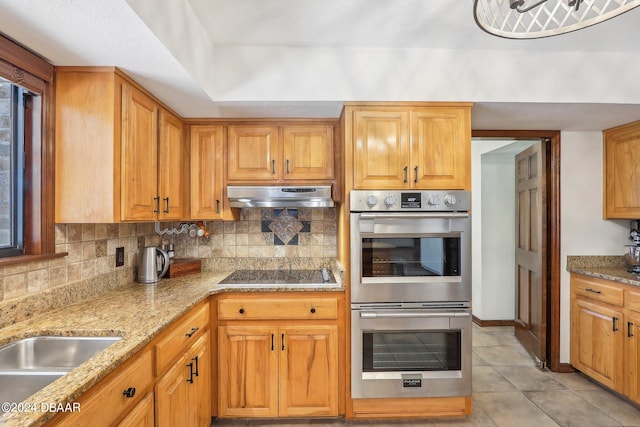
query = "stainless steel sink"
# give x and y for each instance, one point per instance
(51, 353)
(17, 386)
(30, 364)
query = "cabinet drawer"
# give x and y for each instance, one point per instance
(274, 308)
(109, 402)
(181, 336)
(598, 290)
(633, 300)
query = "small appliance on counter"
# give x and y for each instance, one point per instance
(632, 257)
(153, 264)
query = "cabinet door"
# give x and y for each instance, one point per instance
(308, 152)
(381, 149)
(139, 166)
(632, 338)
(253, 153)
(173, 168)
(200, 390)
(206, 172)
(141, 415)
(622, 172)
(309, 371)
(247, 372)
(597, 341)
(440, 148)
(172, 395)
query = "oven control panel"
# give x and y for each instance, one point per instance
(420, 201)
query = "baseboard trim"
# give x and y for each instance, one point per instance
(481, 322)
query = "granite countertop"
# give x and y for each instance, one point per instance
(604, 267)
(135, 312)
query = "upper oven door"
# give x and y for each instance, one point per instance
(410, 257)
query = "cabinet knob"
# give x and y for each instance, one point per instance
(129, 392)
(313, 309)
(241, 311)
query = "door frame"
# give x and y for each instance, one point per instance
(552, 148)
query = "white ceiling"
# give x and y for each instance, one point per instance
(302, 58)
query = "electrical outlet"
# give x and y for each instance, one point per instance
(119, 256)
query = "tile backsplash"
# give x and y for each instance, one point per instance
(264, 237)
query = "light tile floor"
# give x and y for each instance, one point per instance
(509, 391)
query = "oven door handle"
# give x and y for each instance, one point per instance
(413, 215)
(374, 315)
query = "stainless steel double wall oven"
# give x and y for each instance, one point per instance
(410, 294)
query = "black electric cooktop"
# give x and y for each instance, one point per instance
(279, 277)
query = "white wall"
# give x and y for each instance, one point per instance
(582, 229)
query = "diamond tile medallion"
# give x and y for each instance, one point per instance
(286, 226)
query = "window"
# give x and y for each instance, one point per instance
(26, 156)
(12, 119)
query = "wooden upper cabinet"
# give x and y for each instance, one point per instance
(206, 171)
(139, 155)
(173, 168)
(308, 152)
(269, 154)
(440, 147)
(411, 147)
(252, 153)
(119, 155)
(381, 149)
(622, 172)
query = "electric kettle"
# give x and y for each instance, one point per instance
(153, 263)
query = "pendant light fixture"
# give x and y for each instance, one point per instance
(528, 19)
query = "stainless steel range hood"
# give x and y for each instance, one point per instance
(312, 196)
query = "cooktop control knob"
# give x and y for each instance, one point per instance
(372, 201)
(390, 201)
(450, 200)
(433, 200)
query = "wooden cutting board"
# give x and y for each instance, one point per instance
(179, 267)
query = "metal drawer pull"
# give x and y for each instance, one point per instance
(369, 315)
(629, 328)
(615, 320)
(313, 310)
(273, 347)
(406, 171)
(282, 338)
(166, 201)
(190, 366)
(593, 291)
(129, 392)
(416, 170)
(288, 166)
(195, 359)
(241, 311)
(157, 200)
(193, 331)
(273, 167)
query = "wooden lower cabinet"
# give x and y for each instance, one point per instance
(142, 415)
(106, 403)
(269, 367)
(605, 333)
(597, 341)
(183, 393)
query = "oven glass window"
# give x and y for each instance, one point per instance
(410, 256)
(411, 351)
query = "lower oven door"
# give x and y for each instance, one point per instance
(405, 352)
